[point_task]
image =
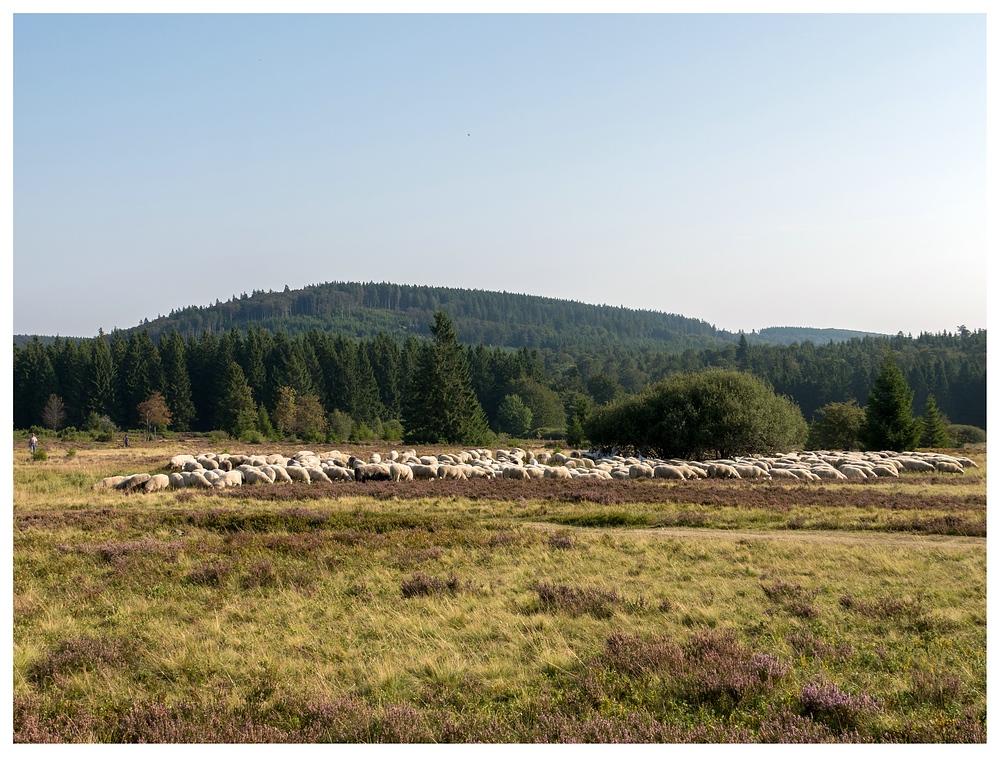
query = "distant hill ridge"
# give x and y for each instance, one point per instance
(481, 317)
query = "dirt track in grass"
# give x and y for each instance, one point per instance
(879, 539)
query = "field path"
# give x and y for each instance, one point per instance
(874, 538)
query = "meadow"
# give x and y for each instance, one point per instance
(495, 610)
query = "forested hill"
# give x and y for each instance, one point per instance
(792, 334)
(490, 318)
(501, 319)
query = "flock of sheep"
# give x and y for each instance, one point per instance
(210, 470)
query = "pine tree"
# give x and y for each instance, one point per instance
(889, 422)
(101, 378)
(236, 411)
(142, 375)
(176, 382)
(440, 403)
(34, 380)
(934, 432)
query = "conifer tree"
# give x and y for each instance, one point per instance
(236, 411)
(176, 382)
(440, 402)
(934, 432)
(253, 362)
(34, 380)
(889, 422)
(101, 378)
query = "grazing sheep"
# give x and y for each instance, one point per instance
(640, 471)
(450, 472)
(400, 472)
(297, 473)
(133, 482)
(668, 471)
(912, 464)
(854, 472)
(948, 467)
(336, 473)
(421, 471)
(372, 472)
(557, 471)
(111, 482)
(317, 474)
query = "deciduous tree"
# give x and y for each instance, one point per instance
(154, 413)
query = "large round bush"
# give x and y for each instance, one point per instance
(712, 414)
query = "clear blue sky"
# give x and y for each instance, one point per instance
(752, 171)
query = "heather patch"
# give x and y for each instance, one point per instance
(210, 574)
(93, 653)
(583, 601)
(422, 585)
(810, 646)
(840, 710)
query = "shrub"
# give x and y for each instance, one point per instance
(963, 434)
(39, 455)
(696, 415)
(362, 433)
(837, 427)
(422, 585)
(838, 709)
(339, 425)
(71, 452)
(392, 431)
(252, 436)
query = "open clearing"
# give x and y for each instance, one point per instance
(496, 611)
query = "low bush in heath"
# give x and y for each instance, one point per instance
(420, 584)
(582, 601)
(77, 653)
(840, 710)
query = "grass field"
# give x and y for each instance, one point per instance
(495, 611)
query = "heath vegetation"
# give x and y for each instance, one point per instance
(496, 610)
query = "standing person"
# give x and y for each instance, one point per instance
(33, 443)
(126, 441)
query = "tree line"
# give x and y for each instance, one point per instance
(324, 385)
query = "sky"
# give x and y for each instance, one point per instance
(749, 170)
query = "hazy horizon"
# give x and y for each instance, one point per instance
(751, 171)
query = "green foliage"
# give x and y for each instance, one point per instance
(699, 415)
(889, 422)
(576, 436)
(837, 427)
(964, 434)
(440, 403)
(513, 416)
(362, 433)
(71, 452)
(392, 431)
(236, 409)
(934, 427)
(339, 426)
(39, 455)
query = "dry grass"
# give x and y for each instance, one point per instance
(349, 617)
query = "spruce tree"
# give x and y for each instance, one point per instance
(440, 403)
(176, 382)
(236, 411)
(934, 432)
(889, 422)
(101, 378)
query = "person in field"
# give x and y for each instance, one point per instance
(33, 443)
